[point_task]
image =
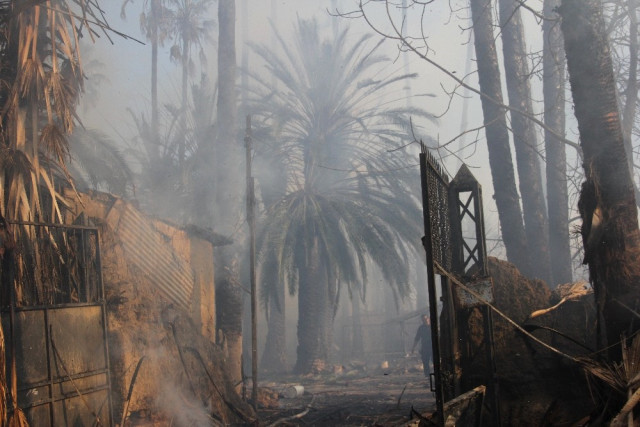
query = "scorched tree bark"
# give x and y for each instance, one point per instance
(607, 203)
(502, 171)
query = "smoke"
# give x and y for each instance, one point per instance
(182, 409)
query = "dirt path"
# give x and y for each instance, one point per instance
(375, 400)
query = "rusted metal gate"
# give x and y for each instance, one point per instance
(454, 242)
(55, 326)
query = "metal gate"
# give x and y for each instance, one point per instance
(454, 242)
(54, 323)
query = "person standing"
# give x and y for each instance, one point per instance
(423, 335)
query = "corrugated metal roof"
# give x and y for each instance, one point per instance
(149, 251)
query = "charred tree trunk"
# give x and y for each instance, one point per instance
(274, 358)
(357, 342)
(229, 304)
(504, 183)
(182, 149)
(228, 156)
(155, 5)
(631, 92)
(607, 203)
(227, 206)
(553, 82)
(315, 314)
(525, 140)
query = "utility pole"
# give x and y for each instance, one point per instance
(251, 220)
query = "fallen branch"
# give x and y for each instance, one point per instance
(294, 417)
(547, 310)
(577, 290)
(427, 421)
(130, 393)
(401, 394)
(230, 405)
(619, 420)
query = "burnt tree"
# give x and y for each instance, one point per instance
(504, 182)
(607, 204)
(227, 157)
(524, 139)
(553, 84)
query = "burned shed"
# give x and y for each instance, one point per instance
(127, 329)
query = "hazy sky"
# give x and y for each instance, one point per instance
(126, 63)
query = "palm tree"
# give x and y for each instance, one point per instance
(224, 177)
(189, 29)
(607, 205)
(553, 83)
(497, 134)
(41, 82)
(161, 185)
(154, 23)
(346, 201)
(97, 163)
(516, 69)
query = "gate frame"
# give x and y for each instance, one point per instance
(51, 356)
(453, 262)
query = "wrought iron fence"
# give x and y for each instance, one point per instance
(437, 183)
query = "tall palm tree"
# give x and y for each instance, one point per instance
(607, 205)
(154, 23)
(41, 82)
(346, 200)
(497, 134)
(162, 186)
(224, 177)
(553, 87)
(516, 69)
(189, 29)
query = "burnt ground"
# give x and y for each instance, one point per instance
(372, 399)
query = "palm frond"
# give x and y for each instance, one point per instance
(336, 130)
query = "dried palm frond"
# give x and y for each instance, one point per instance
(631, 371)
(568, 292)
(18, 419)
(611, 374)
(15, 162)
(622, 377)
(54, 140)
(63, 98)
(621, 418)
(30, 76)
(631, 362)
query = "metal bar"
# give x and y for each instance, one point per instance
(61, 380)
(431, 282)
(66, 396)
(52, 307)
(85, 270)
(51, 225)
(103, 304)
(49, 370)
(251, 219)
(488, 315)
